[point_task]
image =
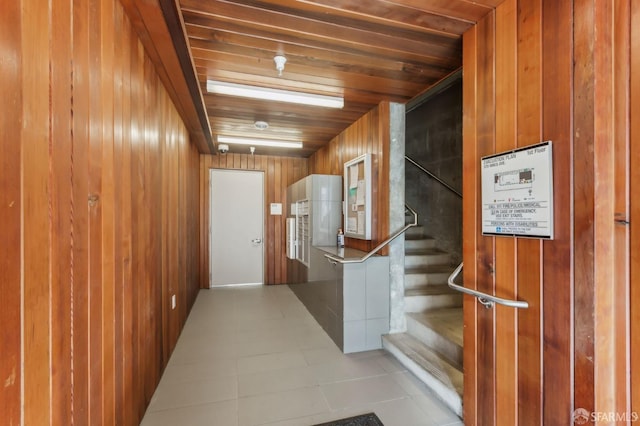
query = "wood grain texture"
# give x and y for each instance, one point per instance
(529, 255)
(506, 284)
(622, 163)
(604, 294)
(558, 283)
(83, 165)
(485, 246)
(118, 207)
(95, 204)
(79, 217)
(279, 173)
(10, 215)
(36, 231)
(634, 206)
(585, 58)
(61, 211)
(584, 34)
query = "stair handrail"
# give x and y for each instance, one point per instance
(334, 260)
(485, 299)
(432, 175)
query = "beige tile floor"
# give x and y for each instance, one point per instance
(255, 356)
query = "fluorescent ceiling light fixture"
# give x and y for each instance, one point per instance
(259, 142)
(255, 92)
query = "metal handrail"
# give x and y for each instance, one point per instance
(485, 299)
(333, 259)
(440, 181)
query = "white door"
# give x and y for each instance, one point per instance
(237, 222)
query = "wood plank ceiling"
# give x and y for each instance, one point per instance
(365, 50)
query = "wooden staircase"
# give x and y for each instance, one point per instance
(431, 348)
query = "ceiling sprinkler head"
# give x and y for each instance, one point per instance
(280, 61)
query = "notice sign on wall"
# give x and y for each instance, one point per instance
(517, 192)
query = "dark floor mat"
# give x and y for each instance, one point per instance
(369, 419)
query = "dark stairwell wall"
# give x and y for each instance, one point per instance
(434, 140)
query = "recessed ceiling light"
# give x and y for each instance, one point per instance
(259, 142)
(255, 92)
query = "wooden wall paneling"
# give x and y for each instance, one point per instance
(153, 274)
(279, 237)
(529, 251)
(558, 326)
(470, 220)
(173, 217)
(10, 215)
(205, 163)
(378, 144)
(506, 364)
(137, 209)
(171, 192)
(184, 297)
(90, 166)
(270, 194)
(108, 211)
(181, 229)
(181, 276)
(153, 229)
(79, 218)
(95, 202)
(621, 291)
(158, 236)
(126, 196)
(583, 220)
(36, 231)
(165, 269)
(61, 211)
(194, 220)
(604, 384)
(369, 130)
(634, 206)
(485, 249)
(118, 224)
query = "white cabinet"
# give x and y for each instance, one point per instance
(315, 202)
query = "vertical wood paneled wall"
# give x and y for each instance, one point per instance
(540, 70)
(279, 173)
(370, 134)
(99, 193)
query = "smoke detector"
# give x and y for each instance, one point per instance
(261, 125)
(280, 61)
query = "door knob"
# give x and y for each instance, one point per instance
(256, 240)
